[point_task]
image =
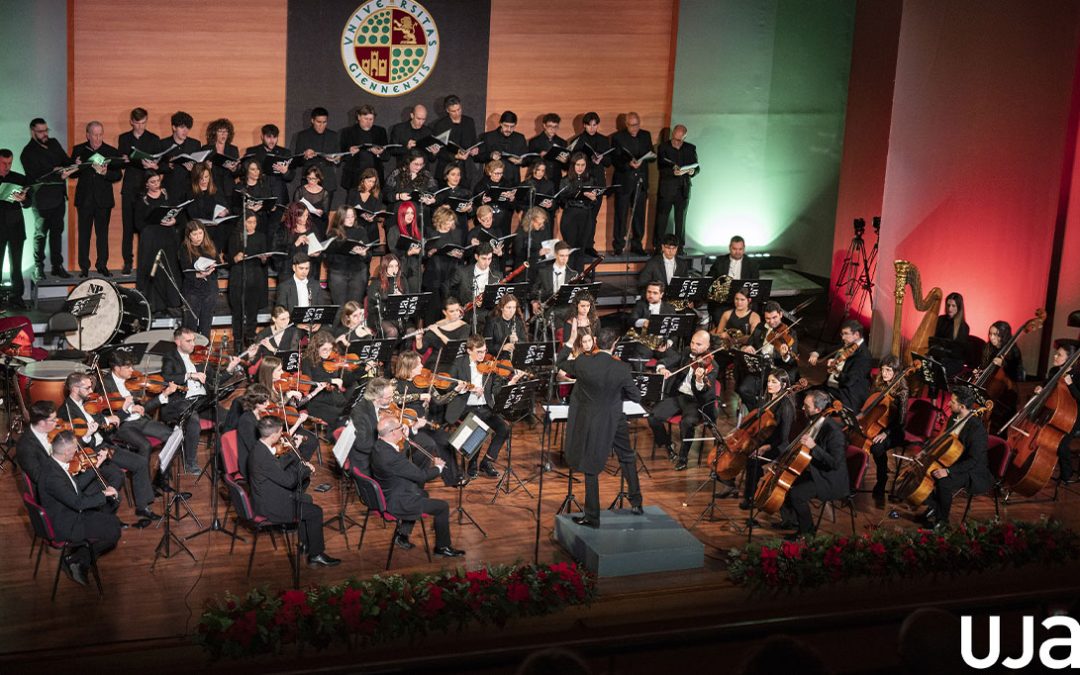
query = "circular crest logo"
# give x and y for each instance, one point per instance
(389, 47)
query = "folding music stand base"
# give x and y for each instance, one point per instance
(460, 510)
(164, 547)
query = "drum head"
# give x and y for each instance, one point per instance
(152, 337)
(97, 328)
(51, 370)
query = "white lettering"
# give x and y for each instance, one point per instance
(1027, 651)
(1072, 642)
(992, 652)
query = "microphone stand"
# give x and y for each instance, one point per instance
(168, 275)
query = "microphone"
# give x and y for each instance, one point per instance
(153, 270)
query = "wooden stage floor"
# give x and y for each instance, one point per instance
(152, 611)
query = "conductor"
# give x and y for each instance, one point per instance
(597, 424)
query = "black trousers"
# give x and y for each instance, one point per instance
(203, 302)
(664, 207)
(102, 528)
(112, 470)
(50, 224)
(135, 432)
(1065, 456)
(437, 443)
(94, 221)
(171, 414)
(127, 213)
(797, 504)
(624, 200)
(880, 453)
(349, 284)
(941, 499)
(754, 471)
(13, 248)
(440, 511)
(673, 405)
(310, 526)
(497, 424)
(627, 463)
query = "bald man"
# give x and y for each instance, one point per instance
(409, 133)
(676, 160)
(94, 195)
(632, 177)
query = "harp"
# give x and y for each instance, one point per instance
(930, 306)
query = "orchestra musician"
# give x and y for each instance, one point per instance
(301, 290)
(892, 435)
(79, 386)
(34, 446)
(365, 418)
(351, 326)
(388, 281)
(952, 330)
(435, 441)
(402, 484)
(971, 471)
(477, 395)
(274, 482)
(77, 512)
(736, 266)
(470, 281)
(690, 393)
(650, 305)
(740, 321)
(328, 402)
(1011, 365)
(764, 339)
(505, 327)
(849, 379)
(666, 264)
(583, 319)
(136, 426)
(826, 477)
(770, 449)
(597, 425)
(547, 281)
(451, 327)
(279, 336)
(1063, 349)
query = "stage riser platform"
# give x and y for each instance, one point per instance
(626, 544)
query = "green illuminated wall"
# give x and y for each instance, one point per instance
(33, 79)
(762, 87)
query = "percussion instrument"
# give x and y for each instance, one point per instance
(44, 380)
(120, 312)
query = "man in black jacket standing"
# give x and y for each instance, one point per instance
(365, 142)
(99, 168)
(315, 143)
(40, 158)
(402, 483)
(673, 190)
(134, 175)
(827, 476)
(597, 424)
(277, 491)
(633, 145)
(13, 227)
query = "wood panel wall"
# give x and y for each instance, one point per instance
(211, 59)
(568, 57)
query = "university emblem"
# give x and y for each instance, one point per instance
(389, 47)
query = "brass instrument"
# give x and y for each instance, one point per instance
(720, 289)
(731, 338)
(681, 305)
(653, 342)
(908, 274)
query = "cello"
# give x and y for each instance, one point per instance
(1037, 429)
(781, 474)
(915, 481)
(875, 413)
(729, 459)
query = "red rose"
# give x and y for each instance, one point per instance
(517, 592)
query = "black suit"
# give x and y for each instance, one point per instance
(274, 483)
(76, 514)
(366, 421)
(654, 270)
(135, 431)
(970, 472)
(597, 424)
(633, 185)
(122, 460)
(173, 369)
(403, 132)
(461, 284)
(288, 297)
(702, 398)
(826, 478)
(673, 192)
(721, 267)
(132, 185)
(13, 233)
(402, 485)
(641, 312)
(94, 201)
(48, 200)
(459, 406)
(853, 382)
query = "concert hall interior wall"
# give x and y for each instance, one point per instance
(974, 157)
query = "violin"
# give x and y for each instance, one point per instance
(96, 403)
(77, 426)
(295, 382)
(915, 481)
(290, 415)
(150, 384)
(338, 362)
(781, 474)
(441, 381)
(499, 367)
(743, 440)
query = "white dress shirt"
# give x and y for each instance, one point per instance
(735, 268)
(194, 387)
(669, 269)
(477, 380)
(303, 297)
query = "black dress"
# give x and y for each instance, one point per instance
(577, 212)
(438, 270)
(202, 207)
(200, 293)
(347, 272)
(497, 330)
(503, 209)
(260, 190)
(248, 287)
(155, 237)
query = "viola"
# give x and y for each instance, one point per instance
(781, 474)
(499, 367)
(915, 481)
(754, 428)
(441, 381)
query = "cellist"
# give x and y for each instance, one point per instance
(971, 471)
(893, 434)
(784, 412)
(827, 475)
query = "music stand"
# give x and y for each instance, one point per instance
(80, 308)
(757, 290)
(290, 361)
(494, 292)
(373, 351)
(313, 314)
(168, 451)
(404, 306)
(513, 400)
(533, 355)
(672, 326)
(688, 289)
(341, 449)
(451, 351)
(467, 440)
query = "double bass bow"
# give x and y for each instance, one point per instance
(781, 474)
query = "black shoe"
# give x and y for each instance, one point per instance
(448, 552)
(592, 252)
(671, 454)
(60, 272)
(488, 469)
(616, 250)
(637, 510)
(402, 542)
(39, 272)
(127, 269)
(637, 249)
(77, 573)
(323, 560)
(193, 471)
(585, 521)
(142, 523)
(745, 505)
(147, 513)
(82, 275)
(104, 271)
(680, 465)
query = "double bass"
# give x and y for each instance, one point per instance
(729, 458)
(781, 474)
(915, 481)
(1037, 429)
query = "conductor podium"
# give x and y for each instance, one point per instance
(626, 544)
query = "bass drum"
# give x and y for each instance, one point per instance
(151, 363)
(120, 312)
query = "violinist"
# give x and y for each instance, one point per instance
(435, 441)
(827, 476)
(79, 386)
(690, 392)
(274, 482)
(849, 378)
(177, 366)
(279, 336)
(776, 340)
(893, 434)
(583, 319)
(971, 471)
(451, 327)
(365, 418)
(478, 397)
(548, 280)
(1063, 349)
(402, 483)
(34, 445)
(952, 331)
(255, 403)
(136, 426)
(351, 326)
(784, 412)
(270, 371)
(388, 281)
(505, 328)
(327, 404)
(78, 512)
